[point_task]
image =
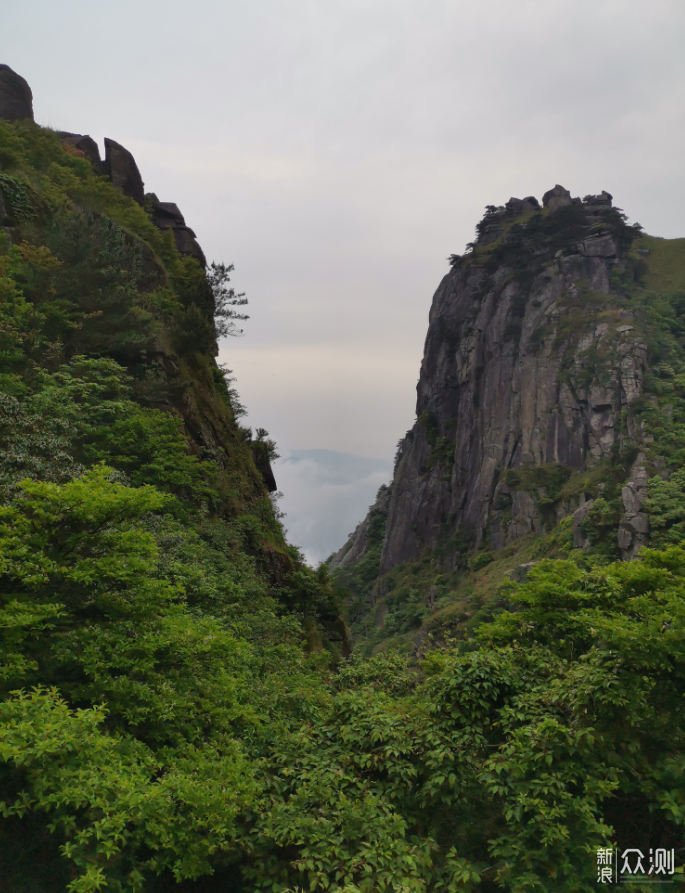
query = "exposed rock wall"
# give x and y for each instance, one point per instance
(531, 359)
(16, 99)
(16, 103)
(210, 427)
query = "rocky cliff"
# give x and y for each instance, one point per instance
(532, 390)
(177, 352)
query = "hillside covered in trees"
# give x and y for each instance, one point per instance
(179, 709)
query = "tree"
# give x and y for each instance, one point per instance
(225, 299)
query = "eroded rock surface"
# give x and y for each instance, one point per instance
(167, 215)
(531, 360)
(121, 168)
(634, 525)
(16, 99)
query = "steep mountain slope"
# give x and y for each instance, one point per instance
(140, 553)
(546, 359)
(177, 712)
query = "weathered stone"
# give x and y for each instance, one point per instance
(188, 244)
(598, 246)
(167, 215)
(510, 380)
(524, 516)
(516, 206)
(85, 144)
(603, 200)
(120, 166)
(557, 198)
(580, 540)
(634, 524)
(16, 99)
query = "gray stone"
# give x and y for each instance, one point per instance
(598, 246)
(85, 144)
(603, 200)
(557, 198)
(634, 524)
(167, 215)
(512, 387)
(188, 244)
(120, 166)
(580, 540)
(16, 99)
(516, 206)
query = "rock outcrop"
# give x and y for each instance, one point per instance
(166, 215)
(16, 99)
(532, 364)
(633, 528)
(85, 144)
(16, 103)
(121, 168)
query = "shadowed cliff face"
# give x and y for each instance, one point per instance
(532, 359)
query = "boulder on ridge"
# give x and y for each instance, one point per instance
(16, 99)
(167, 215)
(557, 198)
(85, 144)
(120, 166)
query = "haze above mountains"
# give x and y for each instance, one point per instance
(338, 154)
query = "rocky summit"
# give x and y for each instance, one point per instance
(532, 400)
(525, 364)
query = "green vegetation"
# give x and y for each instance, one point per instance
(176, 712)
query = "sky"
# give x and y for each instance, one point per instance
(338, 153)
(325, 495)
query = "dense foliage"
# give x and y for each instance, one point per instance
(175, 709)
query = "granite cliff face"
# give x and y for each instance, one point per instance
(532, 366)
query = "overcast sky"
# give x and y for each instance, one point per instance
(337, 153)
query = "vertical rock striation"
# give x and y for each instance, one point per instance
(531, 365)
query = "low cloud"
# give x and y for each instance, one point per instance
(325, 495)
